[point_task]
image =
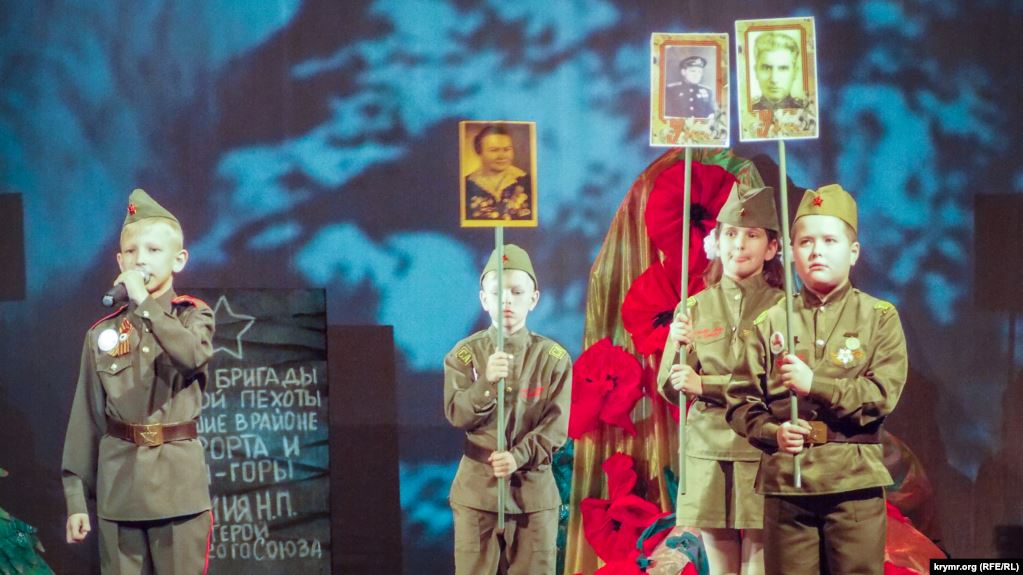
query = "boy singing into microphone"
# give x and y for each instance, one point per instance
(131, 439)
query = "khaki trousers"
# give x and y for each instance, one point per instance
(176, 546)
(839, 534)
(528, 546)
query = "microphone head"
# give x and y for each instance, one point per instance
(119, 293)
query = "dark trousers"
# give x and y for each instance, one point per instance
(838, 534)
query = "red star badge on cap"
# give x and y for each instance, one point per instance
(504, 258)
(818, 200)
(131, 209)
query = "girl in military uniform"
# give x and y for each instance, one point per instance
(743, 280)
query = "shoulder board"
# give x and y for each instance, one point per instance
(883, 306)
(557, 352)
(106, 317)
(760, 318)
(189, 300)
(691, 301)
(464, 354)
(763, 315)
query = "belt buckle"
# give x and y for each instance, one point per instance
(147, 435)
(818, 433)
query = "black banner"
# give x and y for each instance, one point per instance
(264, 426)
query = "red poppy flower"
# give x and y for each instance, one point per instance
(710, 186)
(650, 304)
(605, 387)
(907, 551)
(612, 526)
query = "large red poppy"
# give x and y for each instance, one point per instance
(612, 526)
(605, 386)
(710, 186)
(650, 304)
(907, 551)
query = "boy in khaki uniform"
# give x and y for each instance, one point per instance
(848, 370)
(131, 439)
(743, 280)
(538, 380)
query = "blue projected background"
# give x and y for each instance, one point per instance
(315, 144)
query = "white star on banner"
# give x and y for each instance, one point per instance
(229, 317)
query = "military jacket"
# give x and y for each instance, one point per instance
(687, 100)
(722, 317)
(537, 397)
(786, 103)
(158, 376)
(854, 344)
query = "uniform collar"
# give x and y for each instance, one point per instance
(786, 102)
(745, 286)
(511, 174)
(810, 299)
(166, 300)
(516, 340)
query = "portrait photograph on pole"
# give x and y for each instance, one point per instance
(689, 95)
(498, 174)
(777, 79)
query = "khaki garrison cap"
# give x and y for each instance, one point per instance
(142, 206)
(515, 258)
(829, 200)
(750, 208)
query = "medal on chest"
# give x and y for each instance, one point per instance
(123, 345)
(848, 354)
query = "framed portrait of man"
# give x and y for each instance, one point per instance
(689, 91)
(497, 174)
(777, 78)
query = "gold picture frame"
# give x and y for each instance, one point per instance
(777, 78)
(689, 90)
(497, 188)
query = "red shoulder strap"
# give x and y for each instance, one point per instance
(187, 299)
(106, 317)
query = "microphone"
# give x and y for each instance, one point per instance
(119, 293)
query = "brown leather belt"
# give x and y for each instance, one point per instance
(820, 434)
(477, 453)
(152, 434)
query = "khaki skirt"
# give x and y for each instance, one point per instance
(719, 495)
